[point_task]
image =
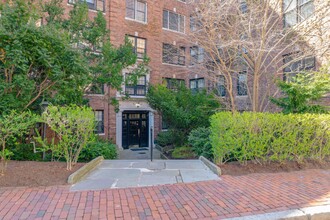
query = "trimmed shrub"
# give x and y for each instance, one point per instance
(184, 152)
(199, 139)
(99, 148)
(170, 138)
(22, 151)
(269, 137)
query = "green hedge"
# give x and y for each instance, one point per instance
(269, 137)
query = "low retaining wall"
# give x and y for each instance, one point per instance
(83, 171)
(214, 168)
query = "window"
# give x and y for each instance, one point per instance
(243, 6)
(173, 21)
(296, 11)
(173, 84)
(197, 84)
(92, 4)
(174, 55)
(164, 124)
(95, 88)
(242, 84)
(139, 89)
(139, 45)
(295, 67)
(221, 86)
(196, 54)
(136, 10)
(99, 118)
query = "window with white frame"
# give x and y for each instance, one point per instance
(173, 21)
(174, 55)
(136, 89)
(221, 86)
(136, 10)
(197, 84)
(95, 89)
(242, 84)
(293, 67)
(196, 55)
(295, 11)
(139, 46)
(92, 4)
(99, 118)
(173, 84)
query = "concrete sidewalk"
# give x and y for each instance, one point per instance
(133, 173)
(255, 196)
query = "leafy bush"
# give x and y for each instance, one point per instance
(99, 148)
(74, 129)
(182, 109)
(184, 152)
(170, 137)
(199, 139)
(12, 126)
(302, 92)
(269, 137)
(22, 151)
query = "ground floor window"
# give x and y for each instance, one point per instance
(99, 118)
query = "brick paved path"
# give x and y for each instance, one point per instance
(230, 197)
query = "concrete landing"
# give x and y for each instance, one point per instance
(138, 155)
(134, 173)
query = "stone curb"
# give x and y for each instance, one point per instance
(309, 213)
(214, 168)
(83, 171)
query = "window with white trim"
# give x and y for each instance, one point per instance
(92, 4)
(173, 84)
(197, 84)
(196, 55)
(295, 11)
(242, 84)
(174, 55)
(221, 86)
(99, 118)
(173, 21)
(139, 46)
(136, 10)
(292, 68)
(138, 89)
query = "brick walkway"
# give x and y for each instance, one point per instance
(230, 197)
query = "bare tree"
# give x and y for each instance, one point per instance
(259, 38)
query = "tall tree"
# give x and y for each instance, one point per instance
(248, 36)
(56, 60)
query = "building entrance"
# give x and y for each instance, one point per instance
(135, 129)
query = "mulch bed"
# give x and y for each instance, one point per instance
(237, 169)
(33, 174)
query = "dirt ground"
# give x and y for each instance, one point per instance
(32, 173)
(236, 169)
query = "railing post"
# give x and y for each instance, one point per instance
(151, 144)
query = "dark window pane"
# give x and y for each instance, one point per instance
(173, 21)
(165, 19)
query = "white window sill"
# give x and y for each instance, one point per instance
(178, 32)
(95, 95)
(93, 10)
(101, 134)
(174, 65)
(141, 22)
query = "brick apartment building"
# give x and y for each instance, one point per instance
(157, 28)
(154, 27)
